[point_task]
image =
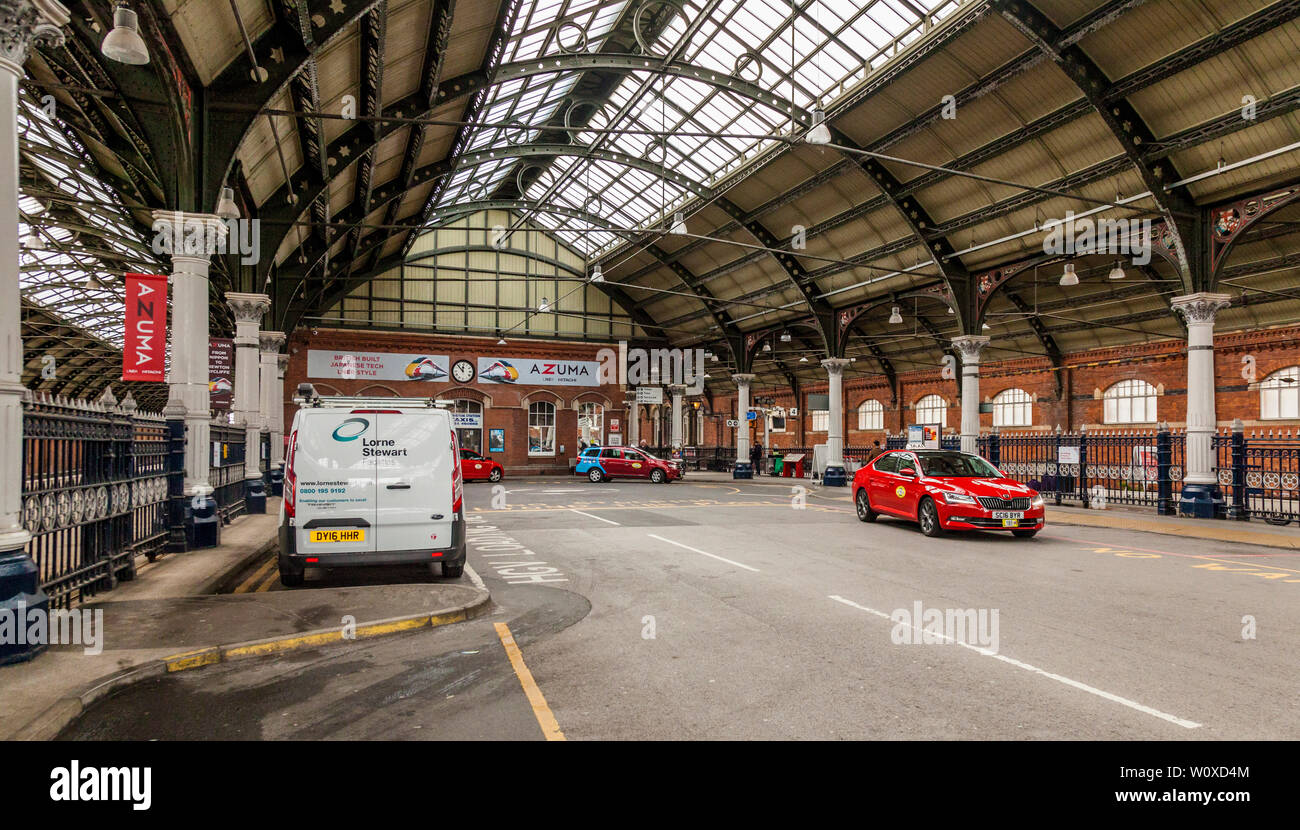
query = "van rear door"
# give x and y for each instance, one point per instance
(335, 481)
(415, 465)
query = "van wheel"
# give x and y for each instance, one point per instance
(495, 475)
(657, 476)
(290, 578)
(451, 571)
(595, 476)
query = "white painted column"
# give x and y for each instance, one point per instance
(270, 396)
(677, 390)
(654, 421)
(742, 407)
(633, 423)
(248, 310)
(835, 419)
(194, 237)
(22, 22)
(1201, 496)
(969, 346)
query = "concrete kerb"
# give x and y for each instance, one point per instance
(64, 711)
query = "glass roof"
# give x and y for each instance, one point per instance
(810, 52)
(77, 238)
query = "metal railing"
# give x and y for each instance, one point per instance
(227, 472)
(94, 486)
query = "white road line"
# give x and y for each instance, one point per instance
(475, 578)
(704, 553)
(1186, 724)
(598, 518)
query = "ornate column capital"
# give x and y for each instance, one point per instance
(1200, 307)
(181, 234)
(744, 378)
(248, 308)
(282, 364)
(677, 388)
(835, 365)
(969, 346)
(270, 341)
(24, 22)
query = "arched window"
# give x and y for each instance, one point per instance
(1129, 402)
(468, 416)
(591, 424)
(1279, 394)
(541, 428)
(932, 409)
(871, 415)
(1013, 408)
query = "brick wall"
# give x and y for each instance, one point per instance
(504, 406)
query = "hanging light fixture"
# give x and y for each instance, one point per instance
(544, 306)
(803, 359)
(679, 225)
(819, 133)
(92, 282)
(33, 242)
(226, 207)
(596, 274)
(1068, 277)
(767, 347)
(1117, 273)
(895, 317)
(785, 337)
(124, 44)
(501, 342)
(713, 357)
(951, 310)
(986, 327)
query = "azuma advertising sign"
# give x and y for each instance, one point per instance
(375, 366)
(523, 371)
(145, 345)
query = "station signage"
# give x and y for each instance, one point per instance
(524, 371)
(649, 394)
(323, 363)
(923, 436)
(467, 420)
(221, 372)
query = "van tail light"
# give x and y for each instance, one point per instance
(290, 480)
(457, 482)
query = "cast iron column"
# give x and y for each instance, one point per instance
(1201, 495)
(970, 346)
(835, 476)
(22, 22)
(248, 310)
(743, 468)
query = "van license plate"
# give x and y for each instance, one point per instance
(1007, 514)
(331, 536)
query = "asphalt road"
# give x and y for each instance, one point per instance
(749, 611)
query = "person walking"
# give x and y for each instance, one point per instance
(873, 452)
(756, 457)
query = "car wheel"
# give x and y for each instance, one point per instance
(1025, 534)
(290, 578)
(495, 475)
(595, 475)
(657, 476)
(928, 516)
(863, 505)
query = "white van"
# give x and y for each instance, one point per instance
(371, 481)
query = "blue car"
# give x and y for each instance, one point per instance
(603, 463)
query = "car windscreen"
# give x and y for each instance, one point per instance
(956, 465)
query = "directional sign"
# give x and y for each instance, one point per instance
(732, 422)
(751, 415)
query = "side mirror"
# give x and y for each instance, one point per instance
(907, 473)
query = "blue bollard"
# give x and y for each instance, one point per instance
(743, 469)
(255, 495)
(203, 525)
(835, 477)
(21, 598)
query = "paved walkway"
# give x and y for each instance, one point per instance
(170, 618)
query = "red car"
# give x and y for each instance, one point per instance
(945, 490)
(604, 463)
(475, 467)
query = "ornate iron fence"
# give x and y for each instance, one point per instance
(227, 472)
(94, 487)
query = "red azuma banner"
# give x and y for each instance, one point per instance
(143, 353)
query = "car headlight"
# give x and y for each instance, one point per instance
(1036, 501)
(958, 498)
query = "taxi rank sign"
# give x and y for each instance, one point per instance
(146, 328)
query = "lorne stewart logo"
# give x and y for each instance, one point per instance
(351, 429)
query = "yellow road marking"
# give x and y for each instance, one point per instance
(247, 585)
(546, 720)
(271, 578)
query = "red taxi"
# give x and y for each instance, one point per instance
(945, 490)
(476, 467)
